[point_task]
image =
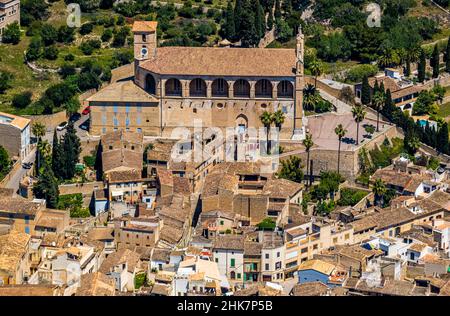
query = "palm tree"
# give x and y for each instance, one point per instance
(38, 129)
(388, 58)
(378, 101)
(308, 143)
(358, 114)
(379, 190)
(310, 97)
(412, 55)
(316, 69)
(413, 143)
(267, 119)
(278, 118)
(340, 132)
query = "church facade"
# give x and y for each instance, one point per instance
(219, 87)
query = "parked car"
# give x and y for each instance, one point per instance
(27, 165)
(75, 117)
(86, 110)
(61, 126)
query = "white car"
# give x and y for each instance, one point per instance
(61, 126)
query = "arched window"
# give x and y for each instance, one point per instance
(242, 88)
(219, 88)
(197, 88)
(173, 87)
(233, 275)
(285, 89)
(263, 89)
(150, 84)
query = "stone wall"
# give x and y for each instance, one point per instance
(16, 166)
(84, 188)
(50, 121)
(10, 139)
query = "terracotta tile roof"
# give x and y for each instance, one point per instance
(144, 26)
(388, 83)
(122, 91)
(101, 233)
(121, 158)
(13, 246)
(121, 256)
(171, 234)
(229, 242)
(161, 151)
(96, 284)
(406, 91)
(392, 177)
(19, 206)
(258, 62)
(441, 198)
(121, 136)
(309, 289)
(129, 175)
(384, 219)
(281, 188)
(29, 289)
(161, 255)
(252, 248)
(161, 289)
(318, 265)
(417, 247)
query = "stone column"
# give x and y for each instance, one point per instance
(252, 89)
(185, 88)
(230, 89)
(275, 89)
(208, 88)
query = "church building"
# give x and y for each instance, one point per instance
(221, 87)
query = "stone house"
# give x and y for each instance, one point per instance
(9, 13)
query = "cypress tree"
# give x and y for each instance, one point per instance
(447, 56)
(260, 20)
(57, 157)
(71, 149)
(277, 10)
(435, 61)
(442, 139)
(365, 91)
(421, 67)
(237, 16)
(270, 20)
(388, 108)
(376, 88)
(230, 27)
(46, 187)
(247, 30)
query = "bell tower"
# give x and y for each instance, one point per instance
(145, 41)
(299, 85)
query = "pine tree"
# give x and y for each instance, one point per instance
(57, 157)
(46, 187)
(421, 67)
(230, 27)
(434, 62)
(447, 56)
(365, 91)
(71, 149)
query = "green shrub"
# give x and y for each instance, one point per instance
(267, 224)
(350, 197)
(22, 100)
